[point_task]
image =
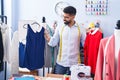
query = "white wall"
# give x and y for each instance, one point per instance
(107, 21)
(36, 9)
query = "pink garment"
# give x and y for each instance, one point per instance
(118, 70)
(109, 61)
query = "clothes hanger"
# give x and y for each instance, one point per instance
(37, 27)
(24, 26)
(36, 23)
(95, 30)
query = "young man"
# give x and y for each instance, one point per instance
(68, 37)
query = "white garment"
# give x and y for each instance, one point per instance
(117, 45)
(14, 60)
(117, 41)
(70, 44)
(6, 41)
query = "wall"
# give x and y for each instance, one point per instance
(15, 14)
(36, 9)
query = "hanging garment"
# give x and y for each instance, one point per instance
(91, 47)
(1, 52)
(21, 54)
(105, 69)
(14, 55)
(34, 51)
(50, 52)
(6, 41)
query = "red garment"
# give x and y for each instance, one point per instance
(91, 47)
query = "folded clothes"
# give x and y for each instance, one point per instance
(24, 78)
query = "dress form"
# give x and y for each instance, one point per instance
(117, 42)
(44, 22)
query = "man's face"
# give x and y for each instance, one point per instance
(67, 18)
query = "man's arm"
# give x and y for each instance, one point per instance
(52, 40)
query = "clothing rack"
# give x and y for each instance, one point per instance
(4, 20)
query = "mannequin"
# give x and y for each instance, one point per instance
(43, 20)
(44, 24)
(118, 24)
(117, 40)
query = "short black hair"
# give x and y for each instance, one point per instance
(70, 10)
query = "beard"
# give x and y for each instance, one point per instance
(66, 22)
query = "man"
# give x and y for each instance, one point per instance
(68, 38)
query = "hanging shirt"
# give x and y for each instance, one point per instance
(6, 41)
(70, 44)
(34, 52)
(91, 47)
(14, 54)
(50, 52)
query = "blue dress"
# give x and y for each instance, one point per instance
(21, 54)
(34, 51)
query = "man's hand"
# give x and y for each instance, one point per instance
(46, 35)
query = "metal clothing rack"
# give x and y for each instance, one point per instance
(4, 20)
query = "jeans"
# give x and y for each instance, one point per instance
(59, 69)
